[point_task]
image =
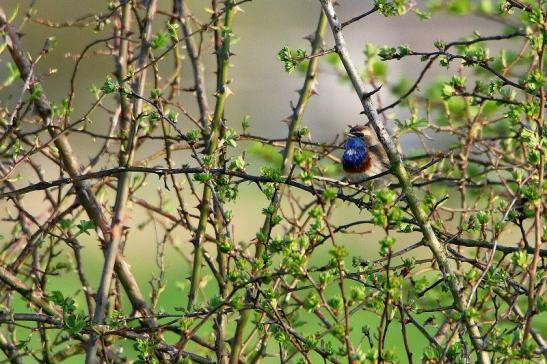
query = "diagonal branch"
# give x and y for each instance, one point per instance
(399, 170)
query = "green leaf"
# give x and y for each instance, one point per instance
(386, 53)
(74, 324)
(109, 86)
(66, 223)
(57, 298)
(203, 177)
(84, 226)
(155, 93)
(193, 136)
(246, 123)
(330, 193)
(160, 40)
(17, 149)
(392, 8)
(173, 29)
(291, 58)
(520, 259)
(36, 91)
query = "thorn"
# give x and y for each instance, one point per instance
(366, 95)
(310, 37)
(227, 91)
(287, 120)
(313, 91)
(165, 182)
(238, 9)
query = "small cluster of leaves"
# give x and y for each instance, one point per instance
(392, 8)
(109, 86)
(74, 322)
(146, 351)
(386, 53)
(273, 173)
(385, 212)
(161, 40)
(226, 190)
(476, 54)
(229, 138)
(291, 58)
(453, 87)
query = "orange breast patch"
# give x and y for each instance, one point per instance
(363, 167)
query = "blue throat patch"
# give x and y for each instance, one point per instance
(355, 153)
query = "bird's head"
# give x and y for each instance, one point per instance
(363, 132)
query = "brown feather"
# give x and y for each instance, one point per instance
(380, 153)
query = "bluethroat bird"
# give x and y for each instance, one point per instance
(364, 156)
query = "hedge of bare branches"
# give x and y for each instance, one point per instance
(457, 231)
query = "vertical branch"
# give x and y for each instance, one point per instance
(122, 59)
(341, 274)
(211, 136)
(197, 65)
(403, 330)
(538, 228)
(122, 193)
(384, 321)
(399, 170)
